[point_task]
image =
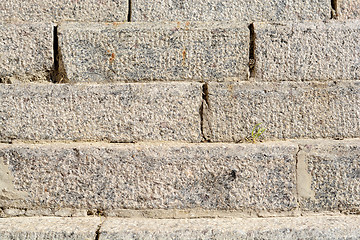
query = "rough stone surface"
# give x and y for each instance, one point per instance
(308, 51)
(50, 10)
(48, 228)
(247, 177)
(334, 170)
(287, 110)
(233, 10)
(26, 51)
(115, 112)
(154, 51)
(268, 228)
(349, 9)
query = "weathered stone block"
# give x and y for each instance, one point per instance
(287, 110)
(26, 51)
(329, 175)
(154, 51)
(48, 228)
(247, 177)
(233, 10)
(118, 112)
(308, 51)
(235, 228)
(349, 9)
(50, 10)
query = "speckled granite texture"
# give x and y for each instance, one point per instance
(173, 51)
(287, 110)
(308, 51)
(117, 112)
(58, 10)
(334, 171)
(349, 9)
(233, 10)
(36, 228)
(26, 51)
(152, 176)
(305, 228)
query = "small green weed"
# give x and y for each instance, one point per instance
(256, 133)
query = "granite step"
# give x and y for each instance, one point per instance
(312, 227)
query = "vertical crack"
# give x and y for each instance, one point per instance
(129, 11)
(204, 113)
(334, 9)
(55, 53)
(252, 60)
(58, 74)
(97, 236)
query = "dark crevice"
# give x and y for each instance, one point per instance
(129, 11)
(203, 108)
(55, 52)
(334, 9)
(252, 60)
(58, 75)
(97, 236)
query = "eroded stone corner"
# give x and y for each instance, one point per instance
(7, 188)
(303, 177)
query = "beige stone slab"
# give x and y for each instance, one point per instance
(287, 110)
(308, 51)
(237, 228)
(233, 10)
(329, 175)
(115, 112)
(348, 9)
(244, 177)
(57, 10)
(26, 51)
(139, 52)
(49, 228)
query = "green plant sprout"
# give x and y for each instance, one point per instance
(256, 132)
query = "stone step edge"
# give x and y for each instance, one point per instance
(164, 213)
(104, 143)
(324, 227)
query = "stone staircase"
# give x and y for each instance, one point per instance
(138, 119)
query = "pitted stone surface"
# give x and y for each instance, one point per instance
(308, 51)
(246, 177)
(349, 9)
(334, 167)
(287, 110)
(116, 112)
(51, 10)
(233, 10)
(154, 51)
(236, 228)
(48, 228)
(26, 51)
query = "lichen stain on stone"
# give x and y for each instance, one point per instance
(7, 189)
(184, 55)
(112, 58)
(304, 177)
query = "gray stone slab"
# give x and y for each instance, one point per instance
(308, 51)
(154, 51)
(349, 9)
(115, 112)
(26, 51)
(287, 110)
(51, 10)
(329, 175)
(237, 228)
(48, 228)
(233, 10)
(245, 177)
